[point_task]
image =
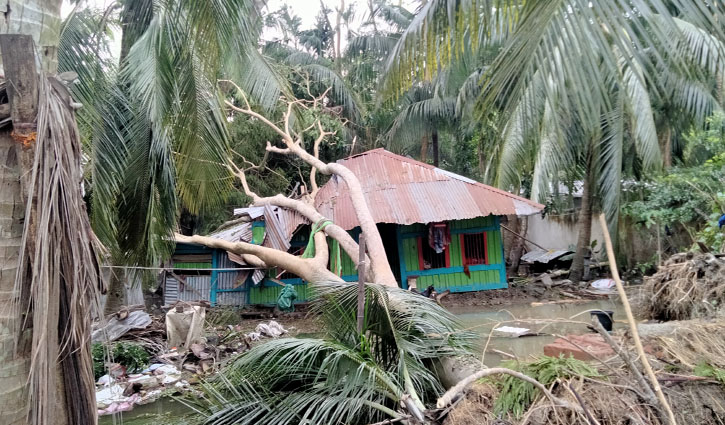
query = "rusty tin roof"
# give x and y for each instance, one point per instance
(405, 191)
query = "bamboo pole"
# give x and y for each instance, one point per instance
(633, 325)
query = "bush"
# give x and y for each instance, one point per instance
(517, 395)
(131, 356)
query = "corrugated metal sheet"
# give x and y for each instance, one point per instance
(252, 212)
(541, 256)
(404, 191)
(196, 288)
(236, 233)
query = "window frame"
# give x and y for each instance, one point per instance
(421, 263)
(464, 258)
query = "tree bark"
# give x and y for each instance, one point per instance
(434, 138)
(379, 264)
(309, 269)
(517, 248)
(14, 365)
(667, 147)
(41, 21)
(584, 229)
(424, 148)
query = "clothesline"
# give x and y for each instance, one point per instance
(184, 268)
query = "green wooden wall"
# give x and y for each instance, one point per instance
(482, 277)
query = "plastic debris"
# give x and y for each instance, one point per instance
(116, 328)
(603, 284)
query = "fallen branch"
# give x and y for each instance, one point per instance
(663, 404)
(648, 396)
(461, 386)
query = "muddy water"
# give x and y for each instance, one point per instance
(549, 319)
(164, 411)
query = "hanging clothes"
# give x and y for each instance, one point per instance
(439, 236)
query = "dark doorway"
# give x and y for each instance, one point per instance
(390, 243)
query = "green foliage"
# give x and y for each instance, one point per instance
(689, 196)
(343, 376)
(98, 353)
(132, 356)
(709, 371)
(517, 395)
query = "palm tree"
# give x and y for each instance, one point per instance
(46, 372)
(342, 376)
(145, 124)
(575, 78)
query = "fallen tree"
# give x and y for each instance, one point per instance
(292, 143)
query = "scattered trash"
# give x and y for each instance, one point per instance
(603, 284)
(510, 331)
(271, 329)
(116, 328)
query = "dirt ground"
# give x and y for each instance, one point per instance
(496, 297)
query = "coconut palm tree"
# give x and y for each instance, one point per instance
(575, 78)
(342, 376)
(144, 123)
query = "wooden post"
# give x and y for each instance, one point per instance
(21, 75)
(664, 405)
(361, 285)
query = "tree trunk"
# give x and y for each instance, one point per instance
(434, 137)
(14, 365)
(116, 295)
(424, 148)
(667, 147)
(517, 249)
(40, 20)
(338, 57)
(584, 229)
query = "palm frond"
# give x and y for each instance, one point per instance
(417, 118)
(84, 49)
(345, 376)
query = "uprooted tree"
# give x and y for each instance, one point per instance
(310, 269)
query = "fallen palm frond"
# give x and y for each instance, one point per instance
(58, 278)
(686, 286)
(606, 403)
(343, 376)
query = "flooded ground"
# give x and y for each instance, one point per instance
(548, 318)
(164, 411)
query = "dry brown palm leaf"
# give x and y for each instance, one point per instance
(58, 274)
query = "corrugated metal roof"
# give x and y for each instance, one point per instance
(405, 191)
(236, 233)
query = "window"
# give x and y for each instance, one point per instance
(428, 258)
(474, 248)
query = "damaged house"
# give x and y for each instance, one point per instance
(438, 228)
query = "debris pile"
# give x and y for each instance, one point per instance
(686, 286)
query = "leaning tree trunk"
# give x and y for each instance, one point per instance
(584, 230)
